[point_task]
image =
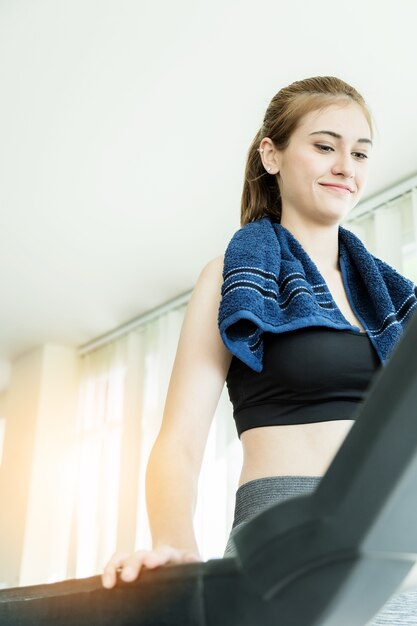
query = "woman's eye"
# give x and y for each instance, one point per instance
(323, 147)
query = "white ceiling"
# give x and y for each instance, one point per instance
(124, 127)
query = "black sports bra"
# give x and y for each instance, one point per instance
(312, 374)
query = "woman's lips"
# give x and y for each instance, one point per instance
(340, 190)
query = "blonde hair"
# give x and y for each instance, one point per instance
(260, 195)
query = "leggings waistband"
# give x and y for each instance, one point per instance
(256, 495)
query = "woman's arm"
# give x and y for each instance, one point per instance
(197, 379)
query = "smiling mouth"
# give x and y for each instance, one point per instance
(339, 190)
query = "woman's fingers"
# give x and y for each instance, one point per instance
(109, 574)
(133, 564)
(130, 566)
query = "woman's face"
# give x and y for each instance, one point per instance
(331, 146)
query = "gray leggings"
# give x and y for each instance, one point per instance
(257, 495)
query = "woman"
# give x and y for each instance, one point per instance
(307, 168)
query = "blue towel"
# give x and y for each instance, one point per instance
(272, 285)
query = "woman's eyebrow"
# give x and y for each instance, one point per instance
(337, 136)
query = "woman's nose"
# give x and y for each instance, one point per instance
(344, 165)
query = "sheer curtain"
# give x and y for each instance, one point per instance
(120, 410)
(102, 417)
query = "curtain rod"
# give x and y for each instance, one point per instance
(367, 206)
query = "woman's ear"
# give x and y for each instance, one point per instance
(269, 155)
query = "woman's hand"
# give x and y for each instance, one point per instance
(129, 566)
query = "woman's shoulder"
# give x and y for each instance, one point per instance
(214, 264)
(212, 272)
(213, 267)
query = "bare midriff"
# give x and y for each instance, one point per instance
(294, 450)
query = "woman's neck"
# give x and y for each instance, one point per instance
(321, 243)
